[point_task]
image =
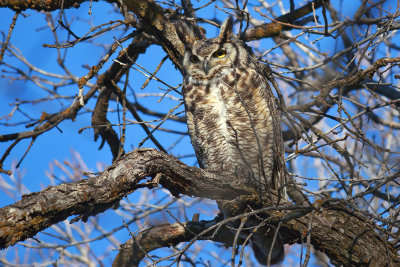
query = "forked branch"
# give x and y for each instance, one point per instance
(342, 233)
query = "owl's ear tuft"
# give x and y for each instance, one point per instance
(226, 29)
(184, 33)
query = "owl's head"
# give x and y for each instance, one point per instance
(207, 59)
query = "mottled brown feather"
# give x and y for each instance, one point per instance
(233, 120)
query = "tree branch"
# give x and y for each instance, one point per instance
(155, 23)
(40, 5)
(282, 22)
(85, 198)
(134, 250)
(343, 234)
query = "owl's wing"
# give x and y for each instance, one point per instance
(191, 128)
(280, 175)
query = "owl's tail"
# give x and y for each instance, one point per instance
(266, 249)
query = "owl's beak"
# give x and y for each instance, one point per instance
(206, 67)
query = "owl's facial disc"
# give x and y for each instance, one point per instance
(208, 60)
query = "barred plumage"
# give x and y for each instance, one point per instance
(231, 114)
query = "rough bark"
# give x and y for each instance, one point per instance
(41, 5)
(85, 198)
(155, 23)
(345, 235)
(134, 250)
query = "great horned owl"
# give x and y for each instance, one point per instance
(232, 118)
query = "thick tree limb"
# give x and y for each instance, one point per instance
(134, 250)
(41, 5)
(155, 23)
(37, 211)
(282, 23)
(343, 234)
